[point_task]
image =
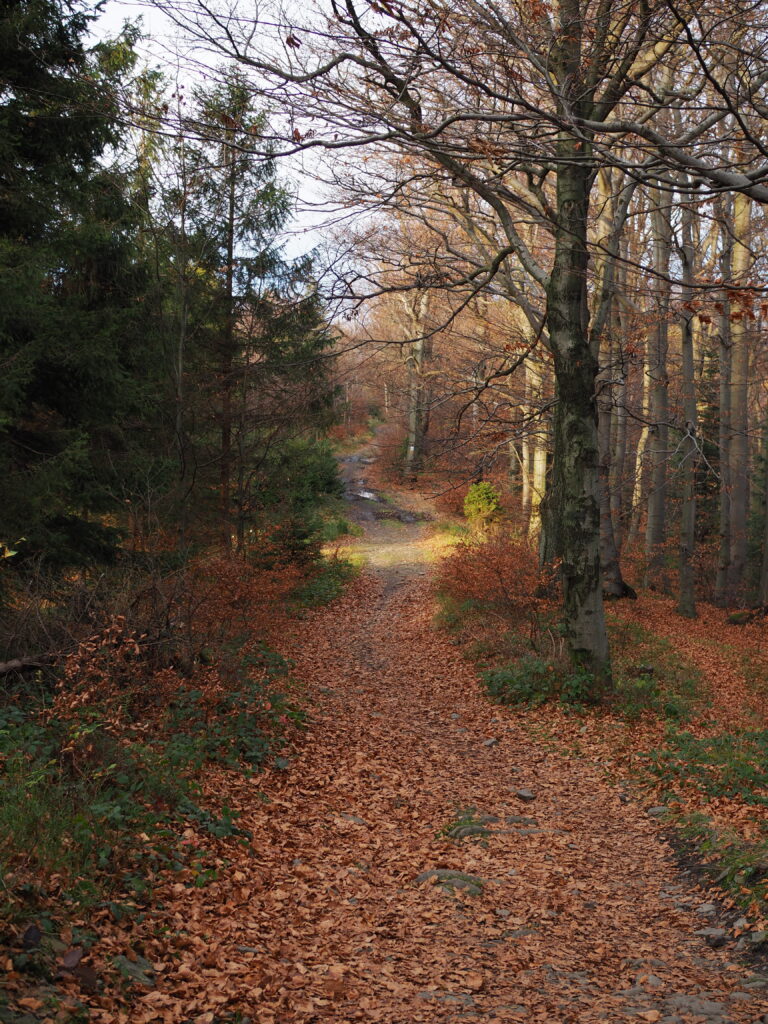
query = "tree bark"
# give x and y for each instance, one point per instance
(686, 604)
(619, 433)
(525, 451)
(739, 444)
(573, 504)
(724, 428)
(417, 391)
(656, 525)
(641, 469)
(763, 588)
(538, 484)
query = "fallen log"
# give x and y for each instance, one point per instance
(20, 665)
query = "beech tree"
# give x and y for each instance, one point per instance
(521, 103)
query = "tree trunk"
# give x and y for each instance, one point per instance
(656, 526)
(763, 589)
(572, 504)
(525, 451)
(689, 445)
(641, 470)
(538, 486)
(606, 245)
(619, 425)
(739, 446)
(226, 367)
(614, 586)
(417, 392)
(724, 427)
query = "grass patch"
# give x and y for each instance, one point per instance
(731, 765)
(333, 523)
(730, 770)
(740, 867)
(327, 583)
(650, 676)
(452, 529)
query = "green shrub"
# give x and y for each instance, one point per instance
(532, 681)
(527, 681)
(729, 765)
(482, 503)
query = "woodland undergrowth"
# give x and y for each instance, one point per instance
(103, 748)
(684, 731)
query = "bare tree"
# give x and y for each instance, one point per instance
(520, 104)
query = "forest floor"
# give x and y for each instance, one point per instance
(419, 856)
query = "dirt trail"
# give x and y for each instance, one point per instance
(564, 905)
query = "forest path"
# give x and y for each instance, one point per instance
(418, 859)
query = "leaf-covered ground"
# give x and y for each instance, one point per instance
(417, 857)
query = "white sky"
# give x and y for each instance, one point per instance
(164, 48)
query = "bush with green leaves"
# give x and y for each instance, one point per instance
(482, 503)
(532, 681)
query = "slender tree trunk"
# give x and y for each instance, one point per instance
(689, 445)
(763, 588)
(417, 391)
(724, 428)
(538, 485)
(656, 525)
(606, 246)
(573, 505)
(525, 451)
(641, 473)
(619, 431)
(739, 448)
(226, 368)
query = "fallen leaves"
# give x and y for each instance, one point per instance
(319, 918)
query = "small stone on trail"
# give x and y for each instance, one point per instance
(451, 880)
(706, 910)
(714, 936)
(525, 794)
(138, 970)
(455, 716)
(657, 812)
(354, 818)
(490, 743)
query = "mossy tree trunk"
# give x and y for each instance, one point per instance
(572, 504)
